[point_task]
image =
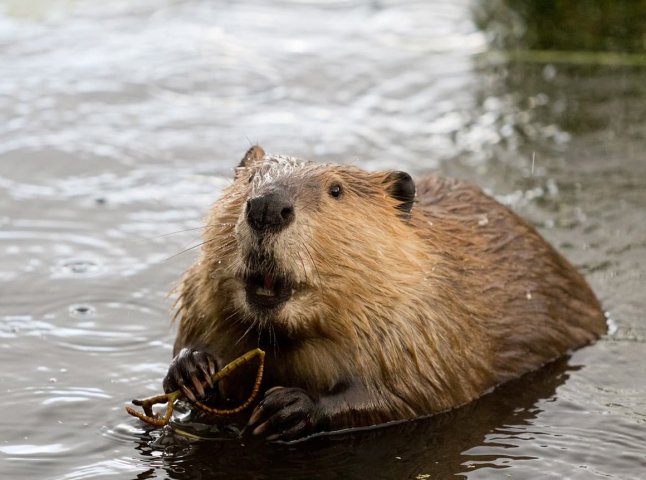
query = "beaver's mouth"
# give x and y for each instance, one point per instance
(266, 291)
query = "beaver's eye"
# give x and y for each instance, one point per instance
(335, 190)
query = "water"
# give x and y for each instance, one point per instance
(121, 121)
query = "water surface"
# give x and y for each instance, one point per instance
(120, 122)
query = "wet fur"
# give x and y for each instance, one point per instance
(399, 315)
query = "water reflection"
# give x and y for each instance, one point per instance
(568, 79)
(558, 70)
(464, 441)
(596, 25)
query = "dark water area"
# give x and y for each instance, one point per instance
(120, 122)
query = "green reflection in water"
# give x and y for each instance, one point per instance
(570, 26)
(566, 68)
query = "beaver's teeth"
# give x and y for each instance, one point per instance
(265, 292)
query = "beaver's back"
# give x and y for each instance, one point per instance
(541, 306)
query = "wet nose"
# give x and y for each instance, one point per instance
(271, 212)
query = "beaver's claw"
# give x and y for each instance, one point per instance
(284, 414)
(190, 371)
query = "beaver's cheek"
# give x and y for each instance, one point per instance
(245, 238)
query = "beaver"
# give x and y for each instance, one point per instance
(376, 298)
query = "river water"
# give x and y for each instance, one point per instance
(120, 122)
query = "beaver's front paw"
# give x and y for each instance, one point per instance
(190, 371)
(284, 414)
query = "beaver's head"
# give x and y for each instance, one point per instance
(290, 243)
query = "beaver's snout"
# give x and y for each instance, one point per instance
(270, 212)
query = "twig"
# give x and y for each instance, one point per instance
(171, 398)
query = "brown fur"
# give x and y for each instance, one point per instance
(395, 316)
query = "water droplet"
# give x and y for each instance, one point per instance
(77, 266)
(82, 310)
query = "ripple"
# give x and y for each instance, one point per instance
(409, 27)
(565, 443)
(26, 449)
(13, 326)
(124, 432)
(108, 468)
(53, 237)
(77, 267)
(92, 326)
(221, 79)
(70, 395)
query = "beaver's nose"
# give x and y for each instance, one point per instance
(271, 212)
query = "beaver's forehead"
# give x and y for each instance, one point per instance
(275, 166)
(280, 169)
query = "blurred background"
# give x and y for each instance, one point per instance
(121, 121)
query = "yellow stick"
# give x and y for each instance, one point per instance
(256, 386)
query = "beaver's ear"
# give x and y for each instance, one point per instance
(402, 188)
(254, 154)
